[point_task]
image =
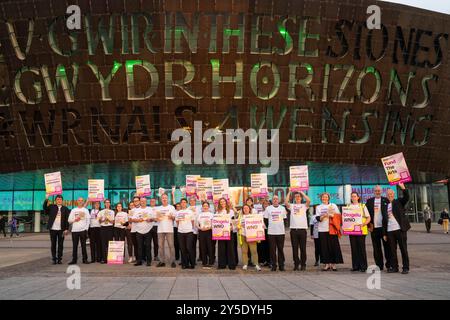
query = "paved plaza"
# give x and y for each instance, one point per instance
(26, 273)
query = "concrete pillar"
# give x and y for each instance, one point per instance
(10, 215)
(37, 221)
(424, 192)
(347, 193)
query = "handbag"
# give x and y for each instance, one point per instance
(440, 221)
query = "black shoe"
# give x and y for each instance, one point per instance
(173, 265)
(282, 268)
(138, 264)
(103, 262)
(99, 260)
(72, 262)
(54, 262)
(232, 268)
(161, 264)
(273, 269)
(59, 262)
(302, 268)
(149, 263)
(354, 269)
(316, 264)
(362, 270)
(183, 267)
(85, 262)
(295, 268)
(191, 267)
(220, 268)
(392, 270)
(405, 271)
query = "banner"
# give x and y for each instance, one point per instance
(396, 169)
(191, 185)
(221, 227)
(299, 179)
(254, 227)
(116, 252)
(220, 189)
(204, 188)
(351, 219)
(258, 183)
(96, 189)
(53, 184)
(143, 188)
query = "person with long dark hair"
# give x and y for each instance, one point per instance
(120, 223)
(204, 225)
(95, 241)
(358, 242)
(226, 247)
(329, 218)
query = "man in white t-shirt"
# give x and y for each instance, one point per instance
(275, 216)
(298, 227)
(154, 232)
(143, 218)
(165, 215)
(79, 218)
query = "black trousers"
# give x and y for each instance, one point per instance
(206, 247)
(226, 254)
(57, 244)
(95, 243)
(186, 241)
(144, 242)
(3, 229)
(119, 234)
(263, 251)
(428, 225)
(378, 243)
(194, 246)
(154, 235)
(358, 248)
(176, 244)
(399, 238)
(276, 246)
(107, 235)
(317, 249)
(135, 244)
(298, 240)
(235, 248)
(79, 237)
(130, 242)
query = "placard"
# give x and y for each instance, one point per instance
(191, 185)
(116, 252)
(220, 189)
(53, 183)
(143, 188)
(299, 178)
(96, 189)
(254, 227)
(221, 227)
(351, 220)
(205, 188)
(396, 169)
(259, 185)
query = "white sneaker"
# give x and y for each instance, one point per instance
(244, 267)
(258, 268)
(130, 260)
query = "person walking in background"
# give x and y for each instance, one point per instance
(79, 218)
(58, 224)
(298, 227)
(444, 219)
(377, 207)
(427, 218)
(13, 226)
(329, 219)
(106, 219)
(95, 241)
(397, 228)
(3, 225)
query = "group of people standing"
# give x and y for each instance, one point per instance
(183, 226)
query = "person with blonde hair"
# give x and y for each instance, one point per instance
(245, 245)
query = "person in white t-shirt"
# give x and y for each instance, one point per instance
(165, 215)
(358, 242)
(226, 253)
(154, 233)
(95, 241)
(298, 227)
(275, 216)
(185, 219)
(142, 223)
(106, 219)
(128, 235)
(132, 226)
(196, 209)
(204, 225)
(329, 218)
(120, 223)
(247, 246)
(79, 218)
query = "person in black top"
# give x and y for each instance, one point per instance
(397, 227)
(377, 207)
(445, 218)
(58, 225)
(3, 225)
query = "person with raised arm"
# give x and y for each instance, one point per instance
(274, 217)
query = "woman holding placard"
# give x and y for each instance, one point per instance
(120, 223)
(185, 221)
(358, 241)
(329, 219)
(245, 245)
(226, 247)
(130, 236)
(106, 219)
(95, 241)
(204, 226)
